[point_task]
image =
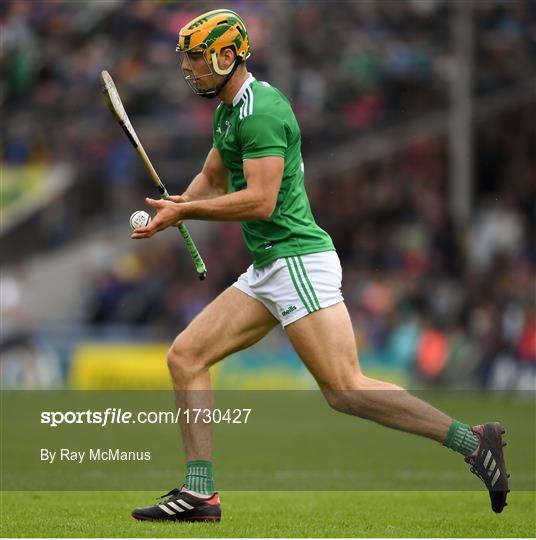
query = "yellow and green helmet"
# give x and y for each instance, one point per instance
(210, 32)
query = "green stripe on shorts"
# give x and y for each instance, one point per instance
(304, 287)
(296, 286)
(310, 286)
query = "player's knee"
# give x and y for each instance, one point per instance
(345, 401)
(177, 364)
(351, 398)
(182, 361)
(352, 402)
(337, 400)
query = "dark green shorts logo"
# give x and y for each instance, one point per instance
(288, 311)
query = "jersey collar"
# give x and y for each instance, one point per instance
(242, 90)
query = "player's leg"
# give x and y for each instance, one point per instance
(232, 322)
(325, 342)
(321, 332)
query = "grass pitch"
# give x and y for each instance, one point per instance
(274, 514)
(331, 450)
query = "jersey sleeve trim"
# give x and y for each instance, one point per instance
(275, 151)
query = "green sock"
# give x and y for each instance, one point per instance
(199, 477)
(461, 439)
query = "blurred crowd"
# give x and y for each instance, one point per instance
(348, 66)
(456, 305)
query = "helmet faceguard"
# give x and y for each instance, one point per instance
(206, 36)
(201, 83)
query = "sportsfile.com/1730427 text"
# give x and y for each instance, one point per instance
(113, 415)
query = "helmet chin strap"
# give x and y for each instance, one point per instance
(229, 72)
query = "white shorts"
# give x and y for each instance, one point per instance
(293, 287)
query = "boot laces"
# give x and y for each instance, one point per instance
(170, 494)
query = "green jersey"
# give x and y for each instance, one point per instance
(260, 123)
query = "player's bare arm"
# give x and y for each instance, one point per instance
(210, 182)
(256, 202)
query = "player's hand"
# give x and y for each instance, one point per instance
(177, 199)
(168, 214)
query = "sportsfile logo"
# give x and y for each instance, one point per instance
(288, 311)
